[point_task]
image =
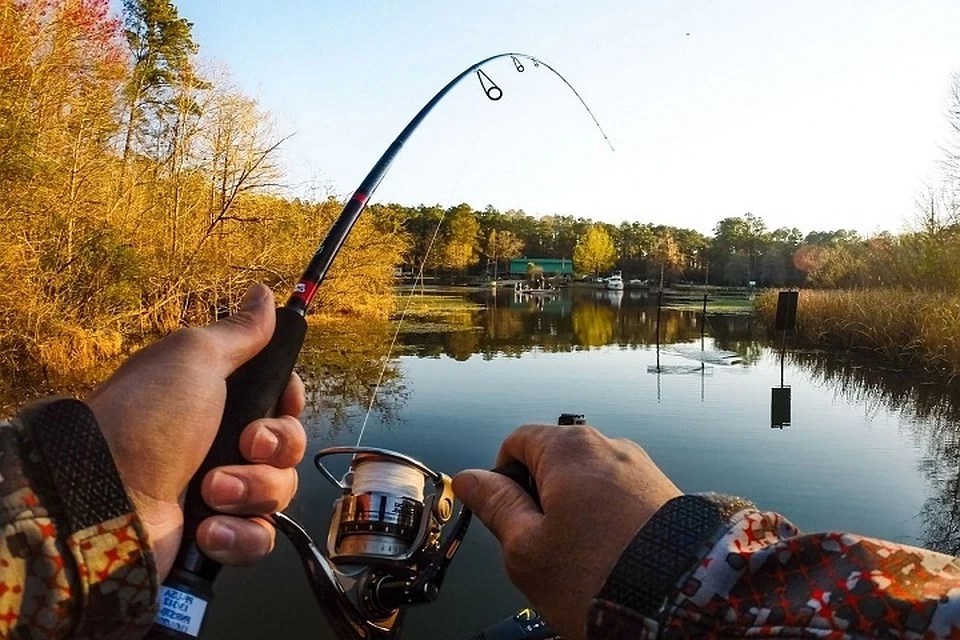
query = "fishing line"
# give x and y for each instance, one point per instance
(413, 290)
(375, 476)
(493, 92)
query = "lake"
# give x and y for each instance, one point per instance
(867, 450)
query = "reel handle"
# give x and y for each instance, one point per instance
(253, 392)
(519, 473)
(525, 625)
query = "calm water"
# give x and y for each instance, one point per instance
(868, 451)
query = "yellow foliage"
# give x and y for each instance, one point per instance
(909, 327)
(114, 229)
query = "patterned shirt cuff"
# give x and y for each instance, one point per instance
(647, 575)
(115, 569)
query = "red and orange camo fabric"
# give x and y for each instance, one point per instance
(758, 576)
(58, 577)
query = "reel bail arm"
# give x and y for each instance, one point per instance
(385, 549)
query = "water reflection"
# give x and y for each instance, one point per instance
(931, 412)
(509, 324)
(341, 364)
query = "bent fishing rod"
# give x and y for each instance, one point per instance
(385, 549)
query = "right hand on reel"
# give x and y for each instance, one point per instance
(596, 494)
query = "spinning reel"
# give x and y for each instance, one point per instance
(384, 549)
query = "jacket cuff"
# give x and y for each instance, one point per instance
(116, 572)
(648, 574)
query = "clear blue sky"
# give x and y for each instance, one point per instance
(815, 114)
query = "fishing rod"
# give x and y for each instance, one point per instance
(385, 549)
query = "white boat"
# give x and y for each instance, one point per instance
(615, 281)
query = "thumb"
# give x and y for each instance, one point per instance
(239, 337)
(500, 503)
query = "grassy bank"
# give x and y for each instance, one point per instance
(907, 328)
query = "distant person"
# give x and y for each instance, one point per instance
(92, 519)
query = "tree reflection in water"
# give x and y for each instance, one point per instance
(508, 324)
(340, 364)
(930, 409)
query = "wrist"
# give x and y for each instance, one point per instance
(94, 520)
(654, 564)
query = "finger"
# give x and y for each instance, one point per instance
(249, 489)
(236, 541)
(294, 397)
(239, 337)
(526, 444)
(279, 442)
(500, 503)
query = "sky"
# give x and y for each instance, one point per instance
(815, 114)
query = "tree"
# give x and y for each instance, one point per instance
(667, 255)
(461, 240)
(595, 251)
(502, 244)
(162, 47)
(744, 236)
(952, 148)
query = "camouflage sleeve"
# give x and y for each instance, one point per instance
(717, 567)
(74, 561)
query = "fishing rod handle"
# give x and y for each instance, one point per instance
(253, 392)
(519, 473)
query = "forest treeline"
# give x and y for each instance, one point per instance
(141, 190)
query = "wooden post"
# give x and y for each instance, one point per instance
(703, 321)
(659, 305)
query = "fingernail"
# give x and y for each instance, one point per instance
(220, 537)
(253, 298)
(227, 490)
(265, 444)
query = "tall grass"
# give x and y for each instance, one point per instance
(908, 328)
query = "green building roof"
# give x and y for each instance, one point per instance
(550, 266)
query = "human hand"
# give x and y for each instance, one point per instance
(159, 413)
(596, 494)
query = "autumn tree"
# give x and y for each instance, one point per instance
(135, 198)
(502, 245)
(595, 251)
(460, 248)
(667, 255)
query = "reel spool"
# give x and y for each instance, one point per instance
(383, 517)
(385, 548)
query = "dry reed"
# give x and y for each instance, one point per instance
(909, 328)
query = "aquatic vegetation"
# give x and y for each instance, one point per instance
(909, 328)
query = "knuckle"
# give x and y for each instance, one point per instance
(581, 435)
(193, 340)
(628, 450)
(248, 322)
(293, 441)
(294, 430)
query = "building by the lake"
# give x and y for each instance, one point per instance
(551, 267)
